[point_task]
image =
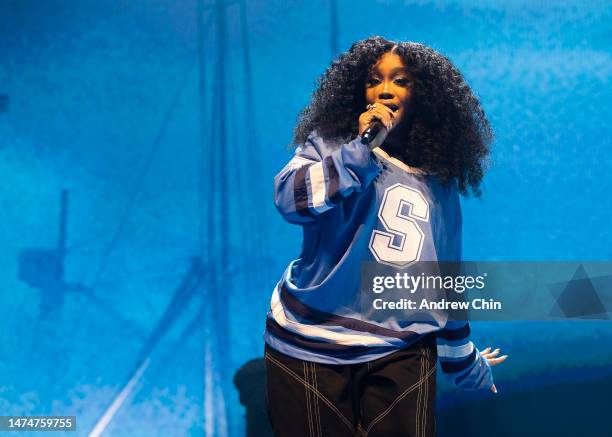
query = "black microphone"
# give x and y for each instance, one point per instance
(371, 132)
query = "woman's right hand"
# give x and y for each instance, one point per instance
(382, 113)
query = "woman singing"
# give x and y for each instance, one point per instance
(332, 370)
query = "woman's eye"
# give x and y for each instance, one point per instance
(403, 81)
(373, 81)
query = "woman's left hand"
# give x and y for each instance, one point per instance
(493, 360)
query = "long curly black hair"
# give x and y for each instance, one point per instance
(449, 133)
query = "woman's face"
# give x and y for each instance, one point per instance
(389, 83)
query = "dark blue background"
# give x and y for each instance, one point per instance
(104, 101)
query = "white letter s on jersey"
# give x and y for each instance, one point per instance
(400, 225)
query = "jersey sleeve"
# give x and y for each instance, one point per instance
(318, 177)
(460, 359)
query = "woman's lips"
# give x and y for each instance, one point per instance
(391, 106)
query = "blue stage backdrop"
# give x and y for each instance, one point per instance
(140, 243)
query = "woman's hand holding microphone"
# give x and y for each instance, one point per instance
(381, 113)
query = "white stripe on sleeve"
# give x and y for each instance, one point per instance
(446, 351)
(317, 187)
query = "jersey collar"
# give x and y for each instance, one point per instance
(384, 155)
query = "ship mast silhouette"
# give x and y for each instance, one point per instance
(210, 273)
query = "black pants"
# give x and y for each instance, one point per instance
(393, 396)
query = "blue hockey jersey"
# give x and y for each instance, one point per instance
(356, 205)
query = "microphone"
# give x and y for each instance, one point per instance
(371, 132)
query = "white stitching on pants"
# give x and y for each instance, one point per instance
(317, 412)
(424, 427)
(361, 431)
(308, 406)
(319, 394)
(399, 398)
(421, 398)
(420, 416)
(417, 431)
